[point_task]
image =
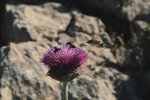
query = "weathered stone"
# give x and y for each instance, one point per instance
(140, 42)
(104, 82)
(64, 38)
(128, 9)
(88, 88)
(21, 56)
(85, 27)
(32, 22)
(50, 21)
(27, 1)
(22, 74)
(135, 86)
(92, 26)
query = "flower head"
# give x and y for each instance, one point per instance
(64, 62)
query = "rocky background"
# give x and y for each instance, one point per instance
(29, 27)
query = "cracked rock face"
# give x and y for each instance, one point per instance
(128, 9)
(37, 22)
(34, 23)
(32, 29)
(22, 74)
(24, 77)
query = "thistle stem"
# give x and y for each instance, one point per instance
(65, 91)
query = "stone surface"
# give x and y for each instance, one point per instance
(36, 22)
(27, 1)
(85, 27)
(141, 39)
(2, 13)
(24, 77)
(128, 9)
(50, 21)
(22, 74)
(137, 13)
(32, 29)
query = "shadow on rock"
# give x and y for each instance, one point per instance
(135, 88)
(31, 2)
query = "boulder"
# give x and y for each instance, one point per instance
(35, 28)
(32, 22)
(32, 29)
(126, 9)
(24, 77)
(27, 1)
(22, 74)
(50, 21)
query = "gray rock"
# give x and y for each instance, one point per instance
(64, 38)
(32, 22)
(23, 77)
(92, 26)
(50, 21)
(27, 1)
(39, 27)
(99, 84)
(137, 83)
(140, 42)
(86, 27)
(127, 9)
(22, 74)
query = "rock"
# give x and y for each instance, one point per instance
(86, 27)
(35, 28)
(31, 82)
(54, 22)
(22, 74)
(23, 77)
(120, 54)
(49, 21)
(137, 83)
(92, 26)
(64, 38)
(140, 42)
(2, 9)
(27, 1)
(137, 14)
(2, 18)
(88, 88)
(104, 82)
(32, 22)
(126, 9)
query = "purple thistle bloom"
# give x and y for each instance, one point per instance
(64, 62)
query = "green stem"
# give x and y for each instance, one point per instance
(65, 91)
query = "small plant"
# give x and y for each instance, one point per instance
(65, 64)
(80, 97)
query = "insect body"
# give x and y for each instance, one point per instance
(55, 49)
(96, 43)
(71, 45)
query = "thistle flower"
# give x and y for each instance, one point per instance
(64, 62)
